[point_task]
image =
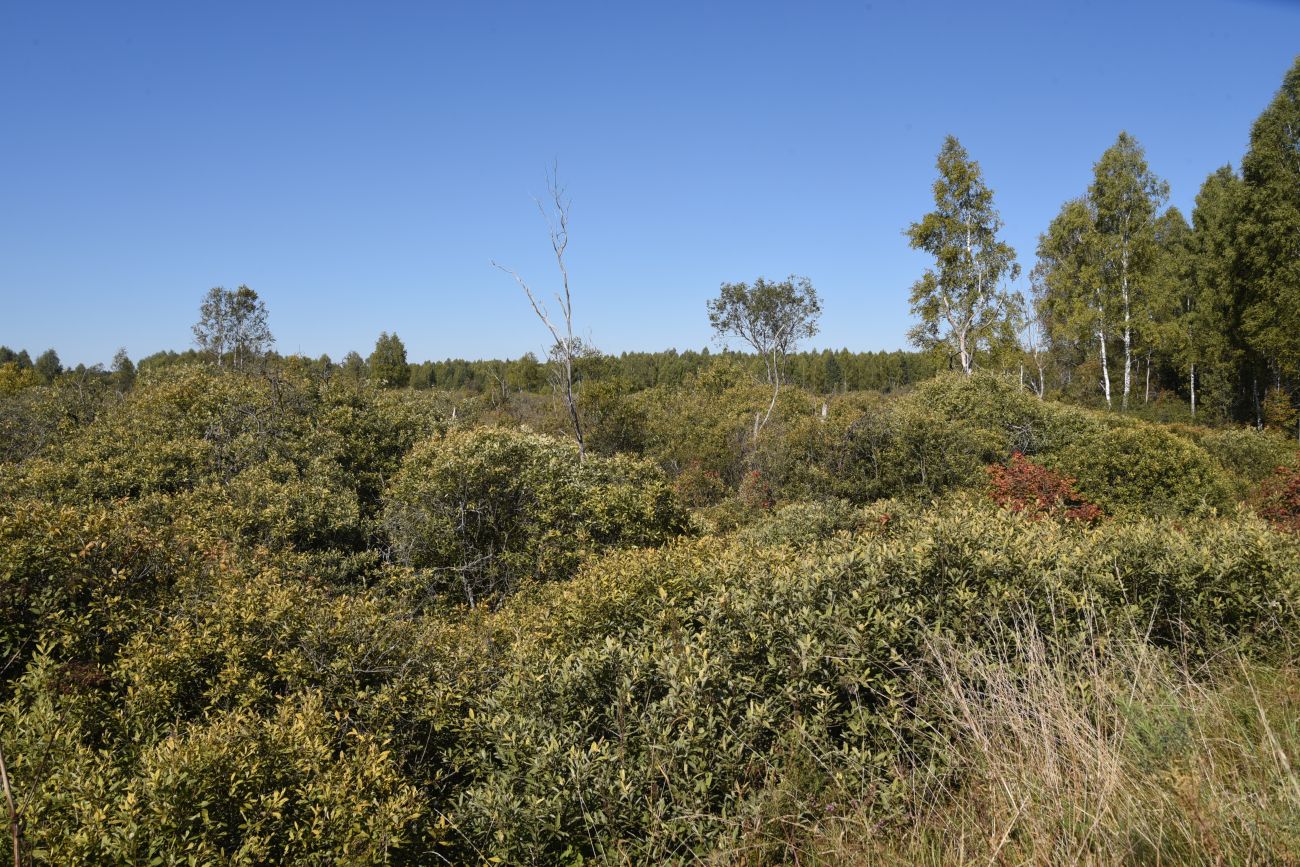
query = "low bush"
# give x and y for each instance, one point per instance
(1033, 490)
(1139, 469)
(906, 452)
(1001, 405)
(484, 510)
(1278, 499)
(1248, 454)
(659, 703)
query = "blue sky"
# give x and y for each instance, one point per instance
(359, 164)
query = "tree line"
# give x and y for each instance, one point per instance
(1130, 299)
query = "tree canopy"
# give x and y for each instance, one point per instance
(962, 302)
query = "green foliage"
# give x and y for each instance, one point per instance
(1269, 223)
(801, 525)
(681, 687)
(960, 302)
(772, 317)
(387, 364)
(1143, 470)
(232, 326)
(234, 597)
(1000, 405)
(14, 379)
(47, 366)
(1248, 454)
(612, 421)
(487, 509)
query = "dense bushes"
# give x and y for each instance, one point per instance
(1144, 470)
(656, 701)
(1034, 490)
(486, 509)
(232, 630)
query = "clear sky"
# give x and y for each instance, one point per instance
(358, 164)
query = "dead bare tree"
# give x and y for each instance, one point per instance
(567, 346)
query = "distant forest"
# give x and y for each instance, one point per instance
(823, 371)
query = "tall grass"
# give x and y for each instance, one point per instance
(1123, 753)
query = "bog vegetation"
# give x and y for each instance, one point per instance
(1026, 595)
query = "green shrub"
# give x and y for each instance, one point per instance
(486, 509)
(906, 452)
(1248, 454)
(1142, 470)
(1000, 404)
(655, 703)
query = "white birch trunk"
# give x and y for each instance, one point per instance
(1105, 368)
(1128, 330)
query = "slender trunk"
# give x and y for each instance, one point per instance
(14, 832)
(1128, 330)
(1259, 414)
(572, 405)
(774, 377)
(758, 426)
(1105, 367)
(1193, 391)
(966, 354)
(963, 352)
(1146, 398)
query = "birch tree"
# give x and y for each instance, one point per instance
(771, 317)
(1067, 280)
(233, 323)
(961, 302)
(1126, 199)
(568, 348)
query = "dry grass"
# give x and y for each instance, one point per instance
(1124, 754)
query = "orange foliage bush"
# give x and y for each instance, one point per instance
(1278, 499)
(1035, 490)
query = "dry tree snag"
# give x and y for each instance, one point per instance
(567, 346)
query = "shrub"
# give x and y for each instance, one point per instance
(485, 509)
(801, 525)
(901, 451)
(999, 404)
(698, 487)
(1140, 469)
(654, 706)
(1278, 499)
(755, 492)
(1248, 454)
(1026, 487)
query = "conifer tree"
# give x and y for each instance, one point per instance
(1270, 234)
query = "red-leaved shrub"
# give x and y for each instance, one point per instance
(1278, 499)
(1030, 488)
